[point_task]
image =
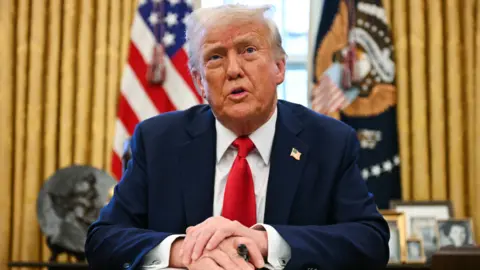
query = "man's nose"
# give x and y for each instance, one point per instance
(234, 68)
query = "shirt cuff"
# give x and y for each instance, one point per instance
(279, 252)
(159, 256)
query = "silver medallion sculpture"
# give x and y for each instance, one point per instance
(69, 201)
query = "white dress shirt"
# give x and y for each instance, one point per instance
(279, 252)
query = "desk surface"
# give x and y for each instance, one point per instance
(409, 266)
(50, 265)
(68, 266)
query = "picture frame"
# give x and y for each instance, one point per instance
(396, 244)
(426, 229)
(415, 250)
(422, 209)
(456, 232)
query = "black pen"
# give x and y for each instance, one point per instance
(243, 252)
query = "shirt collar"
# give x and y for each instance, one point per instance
(262, 138)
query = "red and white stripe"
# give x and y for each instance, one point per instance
(327, 97)
(139, 100)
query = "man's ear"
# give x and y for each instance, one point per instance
(197, 79)
(280, 72)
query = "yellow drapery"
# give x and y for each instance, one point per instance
(62, 62)
(437, 51)
(61, 67)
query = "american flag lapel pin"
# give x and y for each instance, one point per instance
(295, 154)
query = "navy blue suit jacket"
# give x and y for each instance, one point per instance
(319, 204)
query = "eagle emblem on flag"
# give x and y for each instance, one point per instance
(355, 70)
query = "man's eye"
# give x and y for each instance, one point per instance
(214, 57)
(250, 50)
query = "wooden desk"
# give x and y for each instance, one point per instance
(77, 266)
(465, 258)
(52, 266)
(409, 267)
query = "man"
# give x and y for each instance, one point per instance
(245, 169)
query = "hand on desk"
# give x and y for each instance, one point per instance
(225, 256)
(209, 234)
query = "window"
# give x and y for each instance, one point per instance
(292, 19)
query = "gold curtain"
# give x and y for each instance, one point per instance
(62, 62)
(437, 49)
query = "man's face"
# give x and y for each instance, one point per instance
(458, 235)
(238, 72)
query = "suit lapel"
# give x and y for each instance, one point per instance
(285, 169)
(197, 165)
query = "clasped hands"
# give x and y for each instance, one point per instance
(213, 244)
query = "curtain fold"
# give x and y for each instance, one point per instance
(60, 77)
(114, 73)
(437, 48)
(400, 37)
(62, 62)
(21, 64)
(100, 85)
(418, 100)
(7, 108)
(475, 183)
(455, 96)
(436, 94)
(84, 87)
(469, 119)
(33, 122)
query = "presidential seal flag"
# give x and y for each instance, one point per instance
(354, 81)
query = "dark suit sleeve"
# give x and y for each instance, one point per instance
(358, 239)
(118, 239)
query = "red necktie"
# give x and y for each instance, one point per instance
(239, 199)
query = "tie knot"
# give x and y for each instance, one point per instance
(244, 146)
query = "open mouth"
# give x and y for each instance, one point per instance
(238, 91)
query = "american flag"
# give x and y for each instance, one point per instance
(156, 22)
(327, 96)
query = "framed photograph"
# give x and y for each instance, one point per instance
(422, 209)
(425, 229)
(456, 232)
(396, 224)
(415, 251)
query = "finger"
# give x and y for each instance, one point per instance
(205, 263)
(188, 234)
(187, 247)
(201, 242)
(217, 238)
(232, 228)
(238, 229)
(241, 263)
(255, 256)
(223, 259)
(190, 229)
(192, 234)
(208, 229)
